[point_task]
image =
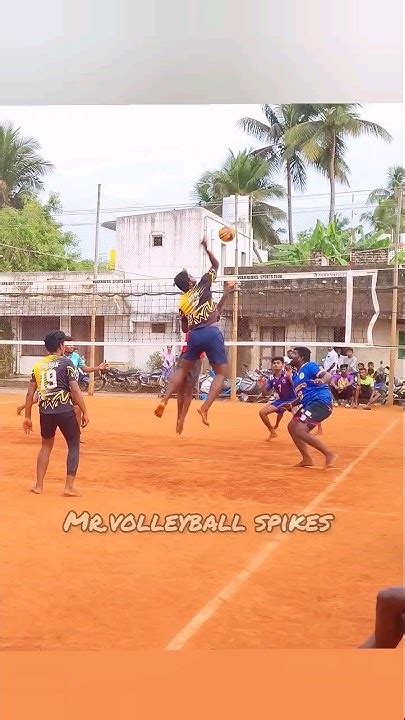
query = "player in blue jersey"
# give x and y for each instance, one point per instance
(315, 398)
(281, 382)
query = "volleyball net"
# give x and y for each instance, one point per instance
(135, 319)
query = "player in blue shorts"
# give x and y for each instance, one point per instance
(315, 398)
(199, 313)
(280, 381)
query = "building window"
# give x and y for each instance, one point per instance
(401, 341)
(157, 240)
(158, 328)
(339, 334)
(243, 259)
(35, 328)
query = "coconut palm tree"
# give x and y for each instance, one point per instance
(245, 174)
(272, 132)
(383, 218)
(21, 166)
(322, 140)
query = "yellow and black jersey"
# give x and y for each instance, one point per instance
(197, 304)
(53, 375)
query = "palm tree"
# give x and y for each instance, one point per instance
(21, 167)
(281, 118)
(383, 218)
(321, 140)
(245, 174)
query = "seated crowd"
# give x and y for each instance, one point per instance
(353, 383)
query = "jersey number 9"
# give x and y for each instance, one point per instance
(49, 381)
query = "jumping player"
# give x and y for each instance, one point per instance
(389, 619)
(311, 386)
(55, 379)
(281, 382)
(199, 309)
(186, 390)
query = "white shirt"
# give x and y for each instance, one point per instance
(350, 362)
(331, 360)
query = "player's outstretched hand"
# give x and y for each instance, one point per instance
(85, 420)
(27, 425)
(102, 366)
(204, 243)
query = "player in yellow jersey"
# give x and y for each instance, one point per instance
(55, 379)
(198, 308)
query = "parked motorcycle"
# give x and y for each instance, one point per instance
(249, 387)
(84, 380)
(148, 381)
(123, 381)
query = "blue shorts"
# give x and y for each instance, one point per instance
(280, 405)
(208, 340)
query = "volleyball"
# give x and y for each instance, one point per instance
(226, 234)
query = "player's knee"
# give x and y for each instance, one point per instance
(390, 597)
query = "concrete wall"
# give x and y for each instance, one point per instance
(182, 232)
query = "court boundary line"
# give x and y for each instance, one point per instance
(231, 588)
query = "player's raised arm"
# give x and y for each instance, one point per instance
(214, 262)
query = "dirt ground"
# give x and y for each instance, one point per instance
(82, 590)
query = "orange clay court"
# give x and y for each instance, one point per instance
(92, 591)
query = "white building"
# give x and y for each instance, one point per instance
(160, 244)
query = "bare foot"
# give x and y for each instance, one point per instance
(201, 411)
(330, 459)
(160, 409)
(71, 493)
(272, 436)
(36, 490)
(305, 463)
(179, 427)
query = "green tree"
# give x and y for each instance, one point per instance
(384, 217)
(245, 174)
(22, 168)
(322, 140)
(32, 240)
(278, 120)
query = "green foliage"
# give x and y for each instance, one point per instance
(322, 140)
(246, 175)
(272, 132)
(384, 217)
(331, 242)
(22, 169)
(154, 362)
(32, 240)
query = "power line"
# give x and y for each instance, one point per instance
(177, 205)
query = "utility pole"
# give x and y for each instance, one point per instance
(94, 297)
(394, 310)
(235, 311)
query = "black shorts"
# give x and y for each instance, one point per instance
(194, 374)
(313, 414)
(65, 421)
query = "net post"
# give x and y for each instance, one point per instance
(235, 313)
(94, 303)
(349, 307)
(394, 310)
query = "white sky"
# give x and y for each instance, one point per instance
(153, 155)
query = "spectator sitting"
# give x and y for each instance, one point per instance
(365, 392)
(350, 360)
(342, 386)
(370, 369)
(331, 361)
